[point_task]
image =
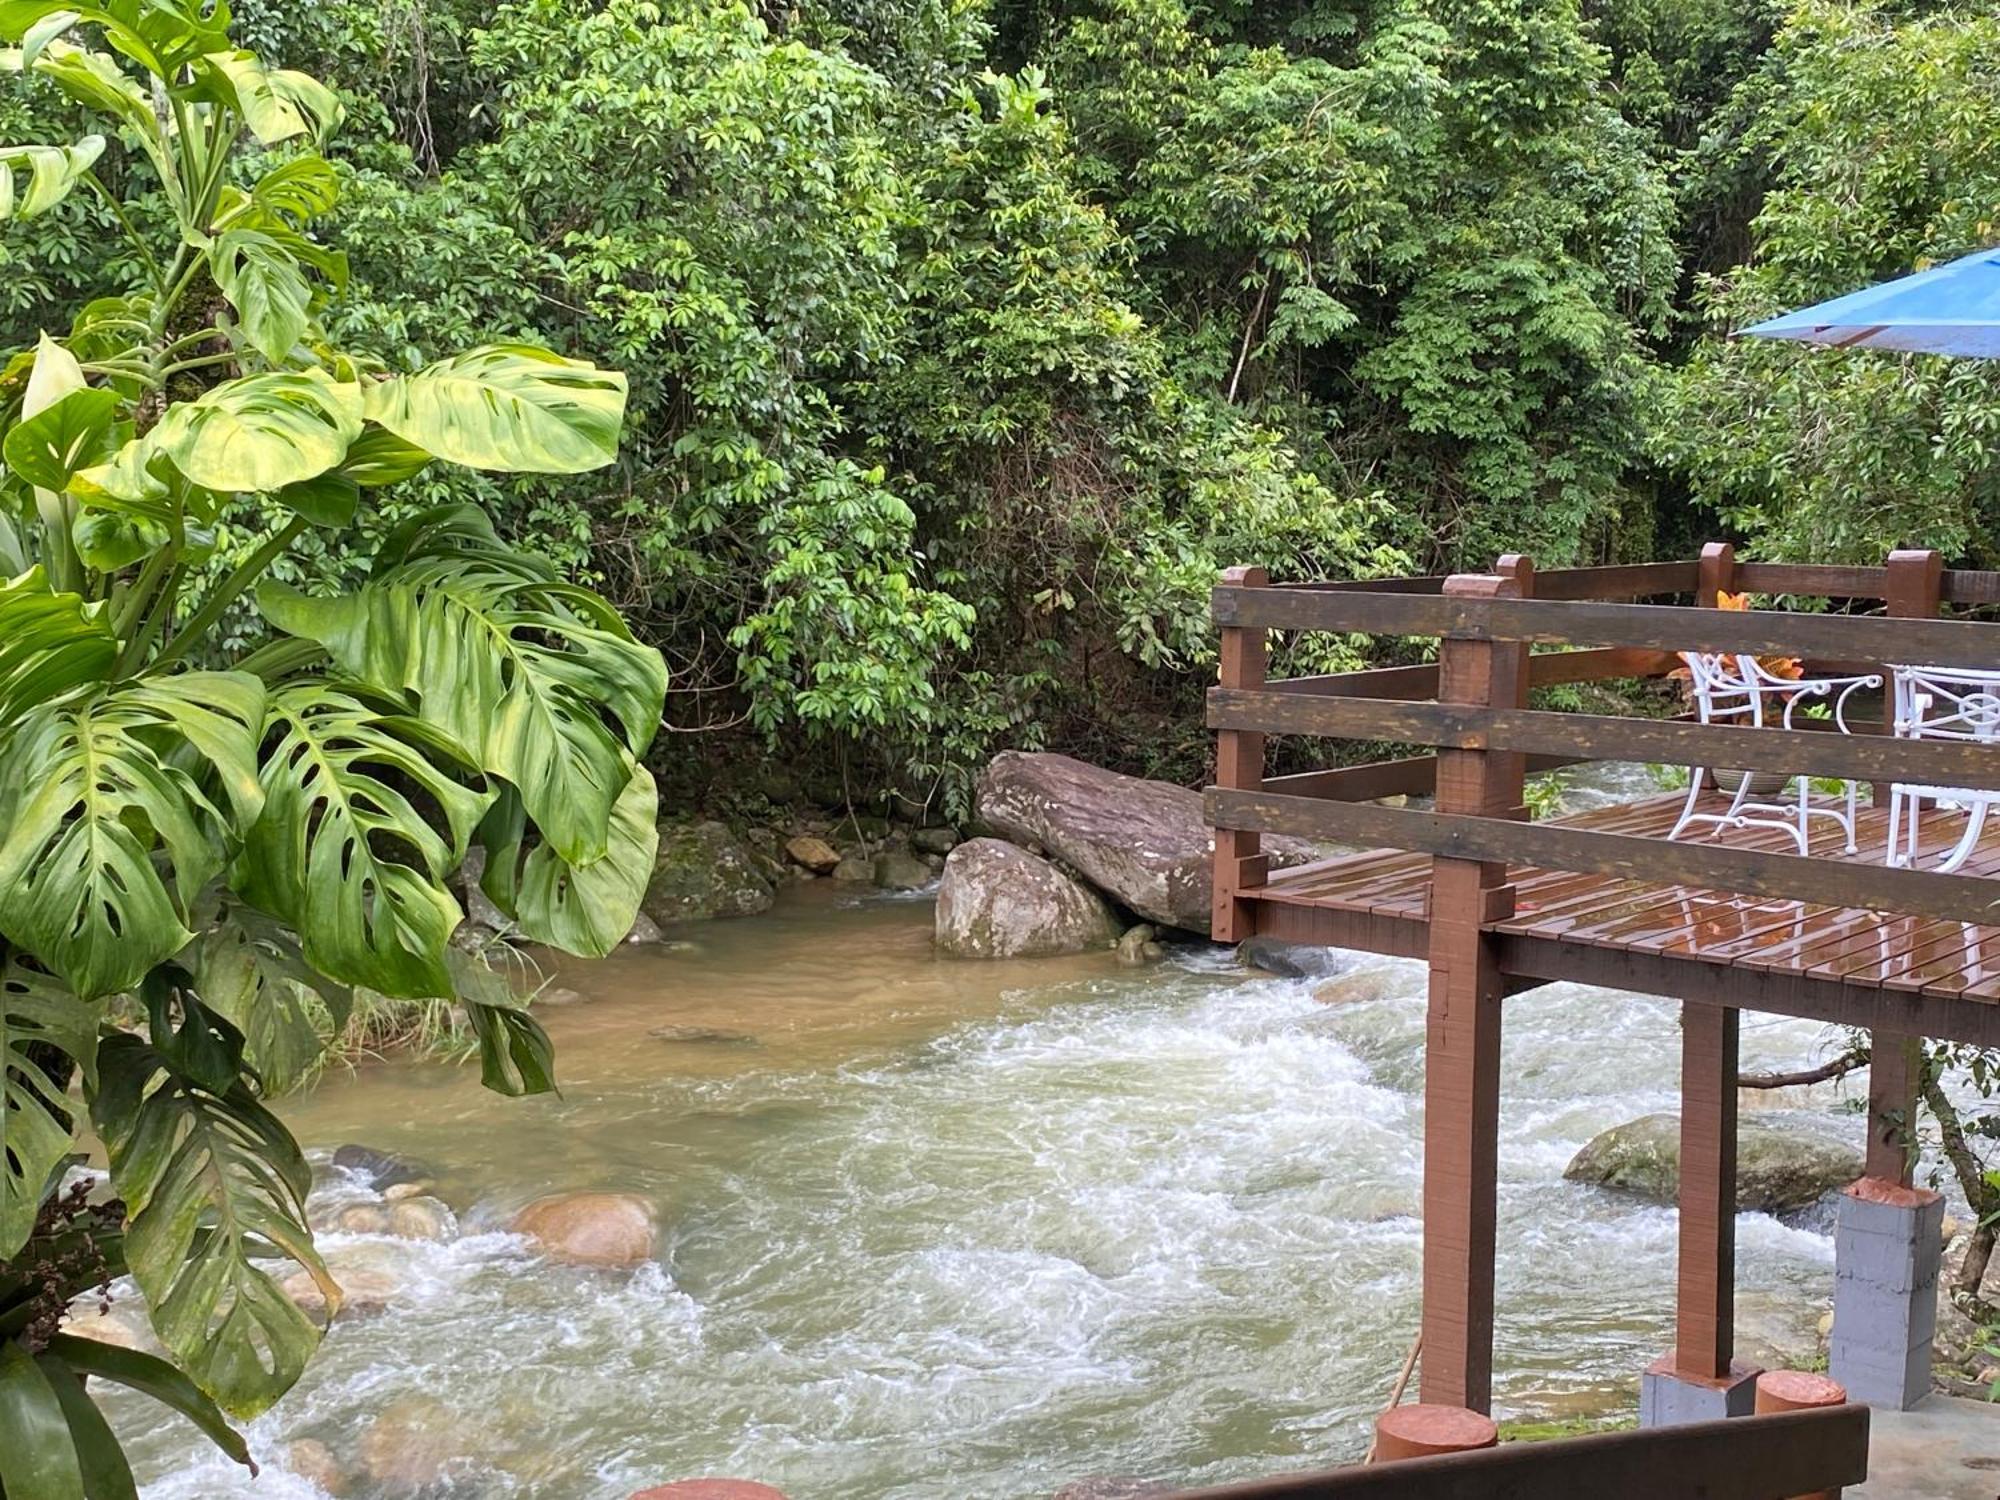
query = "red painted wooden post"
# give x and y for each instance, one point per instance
(1462, 1035)
(1914, 590)
(1705, 1297)
(1239, 766)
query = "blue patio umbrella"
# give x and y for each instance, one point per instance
(1949, 309)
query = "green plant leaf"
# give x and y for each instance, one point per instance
(114, 834)
(100, 1456)
(298, 191)
(37, 1455)
(97, 82)
(160, 35)
(109, 540)
(328, 500)
(250, 971)
(263, 282)
(520, 671)
(36, 1126)
(152, 1376)
(50, 644)
(516, 1057)
(53, 173)
(580, 908)
(72, 433)
(209, 1177)
(343, 850)
(507, 407)
(262, 432)
(378, 458)
(277, 104)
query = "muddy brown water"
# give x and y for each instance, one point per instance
(934, 1228)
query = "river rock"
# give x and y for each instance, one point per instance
(997, 901)
(703, 870)
(939, 840)
(711, 1489)
(590, 1229)
(383, 1169)
(1362, 984)
(414, 1444)
(1779, 1168)
(314, 1462)
(897, 871)
(854, 869)
(370, 1276)
(1294, 960)
(422, 1218)
(1144, 843)
(810, 853)
(644, 930)
(1111, 1487)
(714, 1036)
(362, 1218)
(1139, 946)
(89, 1318)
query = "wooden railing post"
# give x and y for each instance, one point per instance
(1462, 1034)
(1239, 766)
(1717, 572)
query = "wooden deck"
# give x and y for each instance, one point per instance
(1837, 963)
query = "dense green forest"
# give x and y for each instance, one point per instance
(969, 339)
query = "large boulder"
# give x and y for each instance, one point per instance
(997, 901)
(1144, 843)
(589, 1229)
(703, 870)
(1780, 1168)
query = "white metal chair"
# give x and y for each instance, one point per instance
(1738, 689)
(1940, 703)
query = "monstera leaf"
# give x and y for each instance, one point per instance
(263, 282)
(262, 432)
(583, 908)
(161, 35)
(277, 104)
(507, 407)
(210, 1178)
(97, 82)
(36, 1131)
(71, 433)
(111, 784)
(250, 971)
(343, 851)
(53, 171)
(50, 644)
(538, 682)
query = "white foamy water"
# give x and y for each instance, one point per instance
(953, 1229)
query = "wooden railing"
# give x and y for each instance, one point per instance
(1472, 707)
(1744, 1458)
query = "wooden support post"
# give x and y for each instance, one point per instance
(1239, 766)
(1462, 1035)
(1914, 590)
(1705, 1300)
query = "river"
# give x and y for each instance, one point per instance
(937, 1228)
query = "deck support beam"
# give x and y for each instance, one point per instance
(1705, 1296)
(1462, 1033)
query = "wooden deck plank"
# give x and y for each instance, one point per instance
(1378, 900)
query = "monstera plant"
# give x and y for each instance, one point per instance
(201, 856)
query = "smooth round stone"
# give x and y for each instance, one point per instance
(590, 1229)
(711, 1489)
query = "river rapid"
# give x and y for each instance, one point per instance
(946, 1229)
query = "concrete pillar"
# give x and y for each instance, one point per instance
(1670, 1396)
(1888, 1245)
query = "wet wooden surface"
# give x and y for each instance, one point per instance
(1377, 900)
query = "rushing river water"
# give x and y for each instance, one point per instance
(946, 1229)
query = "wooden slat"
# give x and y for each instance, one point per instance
(1412, 776)
(1555, 846)
(1376, 682)
(1816, 580)
(1661, 627)
(1612, 581)
(1743, 1458)
(1601, 664)
(1604, 737)
(1963, 587)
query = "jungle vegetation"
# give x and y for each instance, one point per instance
(968, 339)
